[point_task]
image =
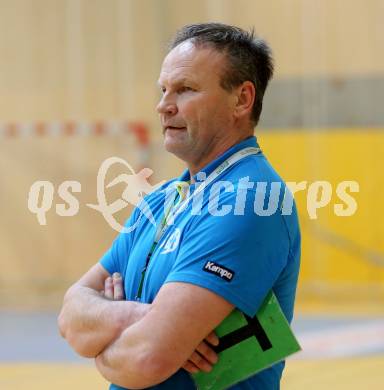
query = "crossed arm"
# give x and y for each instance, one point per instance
(139, 345)
(89, 320)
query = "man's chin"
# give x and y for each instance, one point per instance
(175, 141)
(175, 146)
(172, 146)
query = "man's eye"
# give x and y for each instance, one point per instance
(184, 89)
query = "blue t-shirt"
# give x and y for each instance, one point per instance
(236, 224)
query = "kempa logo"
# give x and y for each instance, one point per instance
(219, 270)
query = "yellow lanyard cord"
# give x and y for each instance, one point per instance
(182, 188)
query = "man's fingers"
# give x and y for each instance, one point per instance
(113, 287)
(200, 362)
(204, 356)
(190, 367)
(108, 288)
(118, 289)
(212, 339)
(207, 352)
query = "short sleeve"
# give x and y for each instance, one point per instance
(239, 257)
(115, 259)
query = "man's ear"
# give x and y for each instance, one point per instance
(246, 94)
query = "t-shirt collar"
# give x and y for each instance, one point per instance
(208, 169)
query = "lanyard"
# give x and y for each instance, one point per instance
(183, 200)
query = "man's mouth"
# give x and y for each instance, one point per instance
(174, 128)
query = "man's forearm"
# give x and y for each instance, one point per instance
(90, 322)
(129, 361)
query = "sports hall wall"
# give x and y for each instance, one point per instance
(85, 62)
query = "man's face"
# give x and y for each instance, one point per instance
(195, 111)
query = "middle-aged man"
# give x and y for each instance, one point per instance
(227, 246)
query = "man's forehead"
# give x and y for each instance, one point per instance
(186, 59)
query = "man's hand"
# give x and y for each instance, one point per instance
(204, 357)
(113, 288)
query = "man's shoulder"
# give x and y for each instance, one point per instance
(256, 168)
(254, 176)
(250, 196)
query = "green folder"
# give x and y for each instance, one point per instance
(249, 345)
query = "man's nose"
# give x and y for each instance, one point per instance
(166, 107)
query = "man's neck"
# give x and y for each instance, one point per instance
(195, 167)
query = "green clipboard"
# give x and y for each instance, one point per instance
(249, 345)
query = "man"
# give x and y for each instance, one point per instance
(219, 251)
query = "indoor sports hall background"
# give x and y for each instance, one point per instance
(78, 85)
